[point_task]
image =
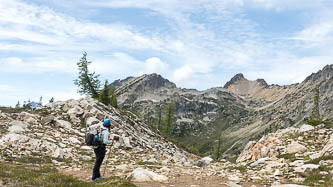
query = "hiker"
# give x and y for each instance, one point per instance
(101, 149)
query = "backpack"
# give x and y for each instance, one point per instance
(93, 136)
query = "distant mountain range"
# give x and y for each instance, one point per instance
(242, 110)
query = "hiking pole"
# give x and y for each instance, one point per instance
(106, 162)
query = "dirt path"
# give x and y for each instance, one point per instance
(175, 179)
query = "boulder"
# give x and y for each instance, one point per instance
(260, 162)
(125, 141)
(204, 161)
(305, 128)
(17, 127)
(74, 140)
(58, 153)
(288, 185)
(295, 147)
(12, 137)
(328, 148)
(63, 123)
(306, 168)
(92, 121)
(47, 119)
(75, 111)
(143, 175)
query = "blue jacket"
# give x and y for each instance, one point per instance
(105, 136)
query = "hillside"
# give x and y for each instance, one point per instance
(242, 110)
(45, 147)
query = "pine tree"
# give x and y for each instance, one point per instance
(315, 110)
(159, 116)
(218, 145)
(104, 95)
(114, 101)
(18, 105)
(40, 100)
(170, 117)
(87, 82)
(51, 100)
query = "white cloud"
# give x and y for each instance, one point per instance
(154, 65)
(42, 25)
(280, 5)
(317, 33)
(182, 74)
(290, 71)
(5, 87)
(37, 65)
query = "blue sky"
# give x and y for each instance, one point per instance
(196, 44)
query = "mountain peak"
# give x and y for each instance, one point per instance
(325, 73)
(233, 80)
(262, 82)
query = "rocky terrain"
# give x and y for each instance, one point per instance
(242, 110)
(54, 134)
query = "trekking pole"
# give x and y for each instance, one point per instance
(106, 162)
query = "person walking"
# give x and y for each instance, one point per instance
(101, 149)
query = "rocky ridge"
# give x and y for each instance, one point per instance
(292, 154)
(243, 110)
(56, 132)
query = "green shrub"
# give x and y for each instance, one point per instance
(317, 160)
(313, 122)
(287, 156)
(16, 175)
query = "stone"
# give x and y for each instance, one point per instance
(234, 178)
(63, 124)
(76, 111)
(126, 142)
(288, 185)
(277, 173)
(31, 120)
(17, 127)
(295, 147)
(86, 148)
(314, 156)
(92, 121)
(306, 168)
(85, 157)
(297, 163)
(12, 137)
(58, 153)
(260, 162)
(143, 175)
(204, 161)
(328, 148)
(74, 140)
(47, 119)
(122, 167)
(232, 184)
(305, 128)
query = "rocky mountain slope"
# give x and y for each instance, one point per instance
(301, 155)
(52, 136)
(242, 110)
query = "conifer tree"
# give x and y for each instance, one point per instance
(315, 110)
(159, 116)
(104, 95)
(87, 82)
(18, 105)
(51, 100)
(218, 145)
(170, 117)
(114, 101)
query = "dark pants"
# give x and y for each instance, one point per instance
(100, 154)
